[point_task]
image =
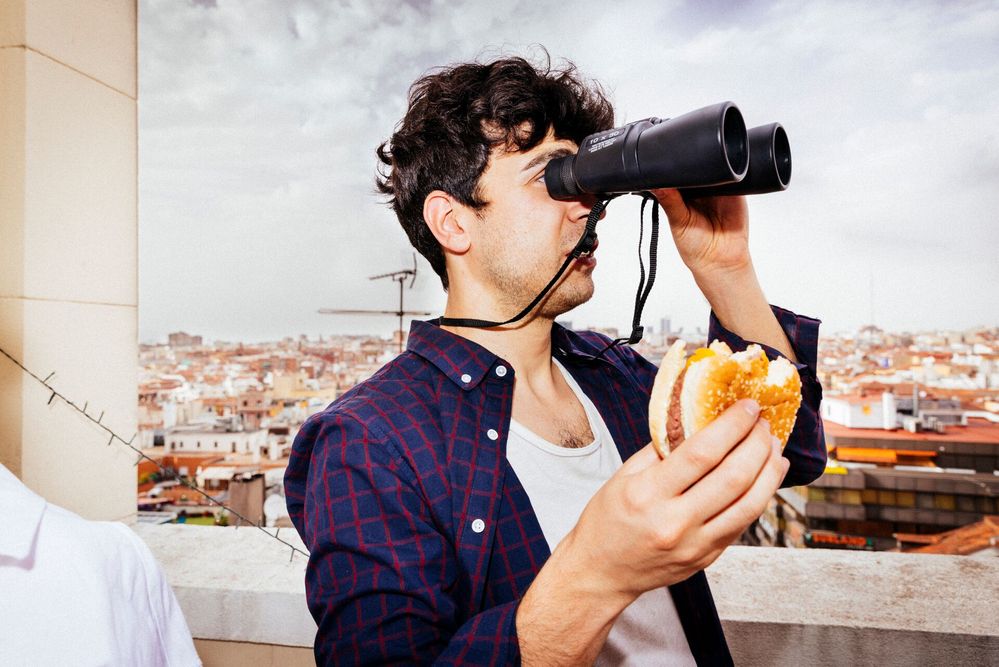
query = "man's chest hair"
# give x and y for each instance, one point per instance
(574, 434)
(567, 428)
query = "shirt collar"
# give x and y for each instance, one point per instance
(466, 363)
(460, 359)
(23, 511)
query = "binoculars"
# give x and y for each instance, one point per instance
(706, 152)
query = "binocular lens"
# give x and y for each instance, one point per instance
(734, 139)
(705, 152)
(782, 156)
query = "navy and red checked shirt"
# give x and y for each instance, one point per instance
(422, 540)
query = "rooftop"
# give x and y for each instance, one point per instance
(977, 431)
(961, 541)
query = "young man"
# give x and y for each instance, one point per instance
(488, 497)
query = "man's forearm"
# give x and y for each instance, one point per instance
(739, 304)
(563, 620)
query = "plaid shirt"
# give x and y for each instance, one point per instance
(423, 540)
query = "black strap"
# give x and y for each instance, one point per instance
(585, 244)
(644, 289)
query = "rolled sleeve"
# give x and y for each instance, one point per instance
(382, 572)
(806, 448)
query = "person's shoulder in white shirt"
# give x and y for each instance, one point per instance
(81, 592)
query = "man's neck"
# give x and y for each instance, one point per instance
(526, 345)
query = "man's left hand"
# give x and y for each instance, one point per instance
(711, 233)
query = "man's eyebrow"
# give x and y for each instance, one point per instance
(553, 154)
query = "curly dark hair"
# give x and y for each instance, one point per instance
(458, 114)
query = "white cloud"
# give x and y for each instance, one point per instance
(258, 123)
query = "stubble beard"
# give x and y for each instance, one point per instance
(519, 285)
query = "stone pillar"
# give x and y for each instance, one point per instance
(68, 248)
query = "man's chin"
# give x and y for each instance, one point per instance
(565, 300)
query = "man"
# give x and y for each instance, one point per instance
(78, 592)
(486, 498)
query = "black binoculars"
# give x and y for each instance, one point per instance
(706, 152)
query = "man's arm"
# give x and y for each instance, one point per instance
(654, 523)
(380, 572)
(712, 237)
(738, 302)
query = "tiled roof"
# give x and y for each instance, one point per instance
(960, 541)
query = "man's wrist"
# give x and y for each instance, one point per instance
(730, 291)
(738, 302)
(567, 613)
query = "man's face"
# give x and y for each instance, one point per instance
(524, 235)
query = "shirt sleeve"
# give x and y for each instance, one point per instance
(167, 627)
(382, 576)
(806, 448)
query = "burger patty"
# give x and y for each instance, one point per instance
(674, 429)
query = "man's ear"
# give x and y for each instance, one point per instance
(443, 216)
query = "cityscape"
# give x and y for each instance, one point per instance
(911, 423)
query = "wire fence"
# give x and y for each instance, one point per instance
(142, 456)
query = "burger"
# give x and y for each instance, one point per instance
(689, 393)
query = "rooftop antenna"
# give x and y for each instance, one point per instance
(398, 276)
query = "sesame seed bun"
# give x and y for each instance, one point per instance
(711, 382)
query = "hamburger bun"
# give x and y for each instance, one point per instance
(688, 394)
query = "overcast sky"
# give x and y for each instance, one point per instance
(258, 123)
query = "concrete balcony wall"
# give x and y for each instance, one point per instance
(244, 599)
(68, 247)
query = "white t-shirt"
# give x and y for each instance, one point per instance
(78, 592)
(560, 481)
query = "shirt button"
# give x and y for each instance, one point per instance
(501, 371)
(466, 378)
(478, 525)
(492, 434)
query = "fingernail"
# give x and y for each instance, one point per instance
(775, 445)
(751, 406)
(766, 423)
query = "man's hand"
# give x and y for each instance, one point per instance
(711, 234)
(654, 523)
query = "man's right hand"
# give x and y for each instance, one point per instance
(654, 523)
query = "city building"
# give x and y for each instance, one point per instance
(221, 437)
(898, 466)
(182, 339)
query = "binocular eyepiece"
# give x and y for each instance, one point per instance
(706, 152)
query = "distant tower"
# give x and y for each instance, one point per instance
(665, 326)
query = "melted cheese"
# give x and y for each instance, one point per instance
(700, 353)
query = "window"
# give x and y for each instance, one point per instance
(944, 501)
(966, 503)
(886, 497)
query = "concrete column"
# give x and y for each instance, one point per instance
(68, 247)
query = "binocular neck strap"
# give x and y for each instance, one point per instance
(644, 288)
(584, 244)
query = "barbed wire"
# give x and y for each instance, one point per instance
(142, 455)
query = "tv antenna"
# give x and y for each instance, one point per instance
(398, 276)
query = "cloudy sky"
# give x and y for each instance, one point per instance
(258, 124)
